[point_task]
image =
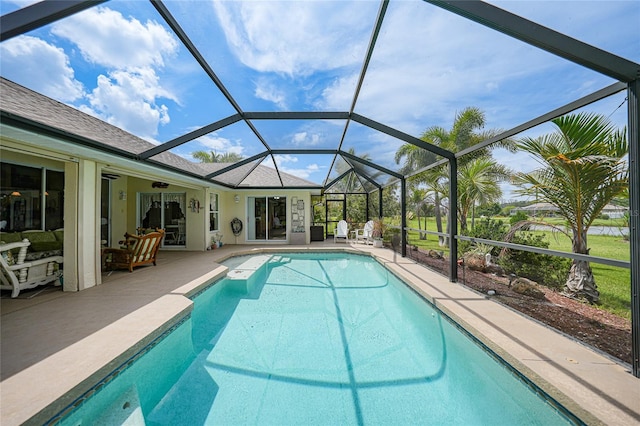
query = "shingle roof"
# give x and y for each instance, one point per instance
(23, 104)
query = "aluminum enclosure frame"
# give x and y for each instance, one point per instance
(623, 70)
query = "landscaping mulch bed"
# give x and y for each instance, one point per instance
(583, 321)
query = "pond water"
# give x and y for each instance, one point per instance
(614, 231)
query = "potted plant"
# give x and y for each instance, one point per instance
(378, 231)
(216, 241)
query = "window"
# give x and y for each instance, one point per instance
(214, 214)
(54, 200)
(23, 193)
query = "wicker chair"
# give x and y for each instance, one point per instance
(138, 250)
(16, 274)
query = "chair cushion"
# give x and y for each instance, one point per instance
(11, 237)
(42, 241)
(59, 234)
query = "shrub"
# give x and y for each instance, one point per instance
(492, 209)
(518, 217)
(488, 229)
(551, 271)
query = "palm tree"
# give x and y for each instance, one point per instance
(417, 199)
(478, 183)
(416, 158)
(465, 132)
(582, 169)
(212, 157)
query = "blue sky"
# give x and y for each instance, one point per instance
(120, 62)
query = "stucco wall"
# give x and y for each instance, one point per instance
(229, 209)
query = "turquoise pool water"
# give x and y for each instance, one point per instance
(315, 339)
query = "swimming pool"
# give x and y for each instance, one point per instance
(315, 338)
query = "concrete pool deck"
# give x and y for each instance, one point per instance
(56, 345)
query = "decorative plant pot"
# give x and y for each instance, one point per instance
(377, 242)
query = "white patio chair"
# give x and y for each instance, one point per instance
(19, 275)
(364, 234)
(342, 231)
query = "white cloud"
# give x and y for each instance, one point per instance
(108, 39)
(296, 38)
(339, 93)
(132, 52)
(268, 91)
(413, 83)
(305, 139)
(301, 172)
(298, 138)
(439, 63)
(45, 68)
(127, 100)
(220, 145)
(286, 158)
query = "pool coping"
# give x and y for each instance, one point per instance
(517, 353)
(167, 312)
(591, 386)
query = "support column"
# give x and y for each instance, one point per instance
(453, 220)
(367, 208)
(86, 222)
(633, 94)
(380, 212)
(403, 216)
(70, 253)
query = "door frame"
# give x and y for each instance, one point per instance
(326, 215)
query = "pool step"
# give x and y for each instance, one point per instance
(243, 277)
(279, 259)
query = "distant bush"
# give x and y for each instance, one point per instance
(518, 217)
(551, 271)
(489, 210)
(506, 210)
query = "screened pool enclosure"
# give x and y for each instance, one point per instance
(326, 94)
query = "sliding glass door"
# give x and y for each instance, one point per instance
(165, 210)
(267, 218)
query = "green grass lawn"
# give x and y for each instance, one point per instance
(613, 283)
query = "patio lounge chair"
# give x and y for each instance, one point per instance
(365, 234)
(138, 250)
(17, 275)
(342, 231)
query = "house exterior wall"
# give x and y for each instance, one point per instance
(230, 209)
(83, 169)
(119, 208)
